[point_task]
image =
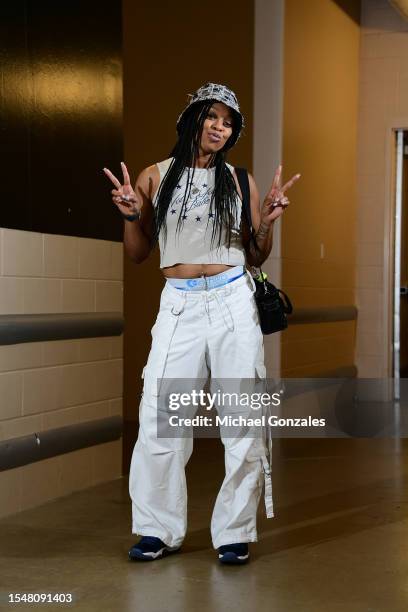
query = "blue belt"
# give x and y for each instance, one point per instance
(204, 283)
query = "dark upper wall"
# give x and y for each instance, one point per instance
(61, 100)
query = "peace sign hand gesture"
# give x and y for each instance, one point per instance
(123, 196)
(275, 201)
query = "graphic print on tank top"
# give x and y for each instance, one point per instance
(197, 207)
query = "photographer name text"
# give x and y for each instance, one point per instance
(243, 421)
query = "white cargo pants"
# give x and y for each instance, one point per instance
(197, 332)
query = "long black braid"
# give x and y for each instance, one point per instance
(184, 153)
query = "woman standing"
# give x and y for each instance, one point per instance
(208, 323)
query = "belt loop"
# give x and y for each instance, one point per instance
(178, 309)
(222, 303)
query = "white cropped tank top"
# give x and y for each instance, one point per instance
(192, 243)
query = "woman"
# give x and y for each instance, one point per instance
(208, 321)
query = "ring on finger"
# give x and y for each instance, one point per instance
(128, 199)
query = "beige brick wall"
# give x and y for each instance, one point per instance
(383, 105)
(44, 385)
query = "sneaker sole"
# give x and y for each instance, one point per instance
(138, 555)
(231, 558)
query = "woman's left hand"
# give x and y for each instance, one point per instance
(276, 201)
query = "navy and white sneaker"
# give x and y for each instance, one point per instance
(233, 554)
(150, 548)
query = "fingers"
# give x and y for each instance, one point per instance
(112, 178)
(125, 174)
(277, 178)
(127, 197)
(290, 183)
(119, 197)
(278, 201)
(282, 202)
(273, 212)
(275, 183)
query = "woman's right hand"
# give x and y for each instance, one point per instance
(123, 195)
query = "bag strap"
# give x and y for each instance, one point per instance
(242, 176)
(287, 307)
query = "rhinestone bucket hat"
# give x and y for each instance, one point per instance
(218, 93)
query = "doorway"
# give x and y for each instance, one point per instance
(400, 306)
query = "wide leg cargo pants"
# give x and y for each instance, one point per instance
(197, 333)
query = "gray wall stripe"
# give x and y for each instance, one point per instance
(37, 446)
(15, 329)
(323, 314)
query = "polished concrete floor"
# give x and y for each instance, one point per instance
(338, 542)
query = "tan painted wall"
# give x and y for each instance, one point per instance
(170, 49)
(320, 109)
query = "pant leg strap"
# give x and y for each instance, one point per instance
(268, 488)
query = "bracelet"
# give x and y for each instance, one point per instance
(131, 217)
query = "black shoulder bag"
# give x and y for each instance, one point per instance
(272, 308)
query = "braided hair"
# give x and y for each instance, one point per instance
(185, 153)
